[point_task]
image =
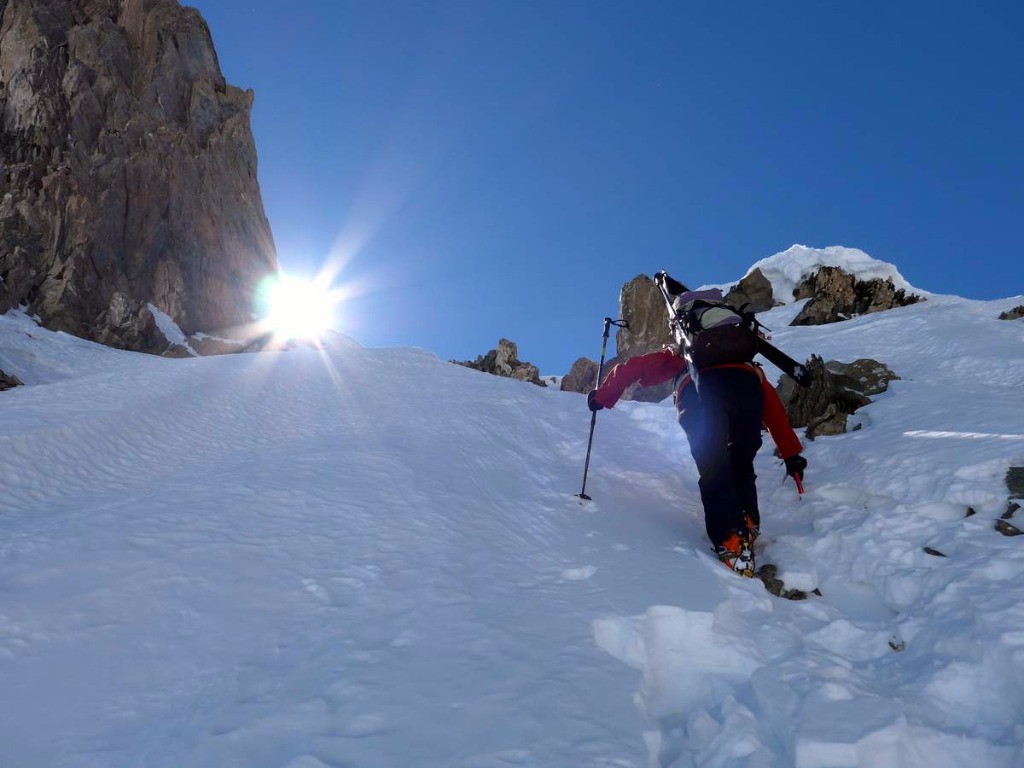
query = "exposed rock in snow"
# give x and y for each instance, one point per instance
(754, 290)
(128, 323)
(643, 308)
(769, 575)
(1014, 314)
(825, 406)
(180, 346)
(581, 377)
(1015, 482)
(1008, 529)
(788, 270)
(504, 361)
(872, 376)
(837, 295)
(8, 382)
(843, 281)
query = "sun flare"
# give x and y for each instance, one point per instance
(298, 309)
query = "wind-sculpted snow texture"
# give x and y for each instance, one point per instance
(373, 558)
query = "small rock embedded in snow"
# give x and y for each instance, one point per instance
(8, 382)
(1015, 482)
(1008, 529)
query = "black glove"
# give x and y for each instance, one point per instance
(592, 403)
(795, 466)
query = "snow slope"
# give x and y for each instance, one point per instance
(373, 558)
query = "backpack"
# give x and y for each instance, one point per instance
(716, 333)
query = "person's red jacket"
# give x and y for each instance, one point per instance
(658, 367)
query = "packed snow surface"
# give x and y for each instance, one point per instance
(373, 558)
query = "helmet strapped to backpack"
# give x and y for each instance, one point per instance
(715, 333)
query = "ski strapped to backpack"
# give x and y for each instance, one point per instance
(712, 332)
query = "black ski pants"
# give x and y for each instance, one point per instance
(723, 424)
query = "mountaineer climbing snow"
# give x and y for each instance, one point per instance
(722, 399)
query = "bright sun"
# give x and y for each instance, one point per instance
(297, 309)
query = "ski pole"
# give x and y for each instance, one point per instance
(608, 323)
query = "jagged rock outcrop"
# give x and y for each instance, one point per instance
(1015, 485)
(129, 324)
(1015, 482)
(8, 381)
(127, 172)
(504, 361)
(643, 308)
(582, 376)
(754, 290)
(837, 390)
(1014, 314)
(837, 295)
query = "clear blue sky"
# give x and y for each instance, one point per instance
(501, 168)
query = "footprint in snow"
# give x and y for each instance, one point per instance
(579, 574)
(317, 591)
(306, 761)
(362, 726)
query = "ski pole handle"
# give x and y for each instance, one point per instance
(608, 323)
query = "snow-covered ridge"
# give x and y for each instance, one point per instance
(339, 340)
(788, 269)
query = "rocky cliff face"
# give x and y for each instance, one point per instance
(127, 172)
(643, 309)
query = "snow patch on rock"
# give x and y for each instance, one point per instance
(170, 329)
(788, 269)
